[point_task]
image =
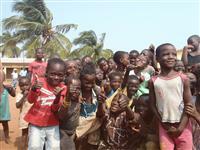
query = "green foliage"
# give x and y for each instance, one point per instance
(90, 45)
(34, 27)
(9, 45)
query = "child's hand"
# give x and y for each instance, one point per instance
(131, 67)
(8, 87)
(188, 49)
(174, 132)
(101, 96)
(57, 91)
(141, 79)
(123, 103)
(36, 85)
(191, 110)
(25, 93)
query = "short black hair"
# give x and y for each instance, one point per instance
(24, 78)
(196, 37)
(70, 78)
(100, 60)
(55, 61)
(160, 48)
(133, 77)
(118, 55)
(88, 68)
(134, 51)
(114, 74)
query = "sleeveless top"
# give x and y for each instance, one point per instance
(169, 97)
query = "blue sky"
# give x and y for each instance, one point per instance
(128, 24)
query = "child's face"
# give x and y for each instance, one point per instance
(142, 107)
(125, 59)
(74, 89)
(192, 78)
(24, 84)
(115, 82)
(141, 62)
(99, 74)
(179, 66)
(112, 65)
(133, 57)
(39, 54)
(167, 57)
(194, 42)
(55, 74)
(71, 68)
(132, 86)
(103, 65)
(88, 82)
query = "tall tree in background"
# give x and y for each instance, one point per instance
(34, 26)
(90, 45)
(8, 45)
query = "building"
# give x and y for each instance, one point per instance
(9, 64)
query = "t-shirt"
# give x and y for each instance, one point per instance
(43, 111)
(37, 68)
(169, 97)
(14, 75)
(23, 111)
(23, 73)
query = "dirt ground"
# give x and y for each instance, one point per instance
(15, 133)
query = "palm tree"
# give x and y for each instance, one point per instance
(90, 45)
(34, 25)
(8, 45)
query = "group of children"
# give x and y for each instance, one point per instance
(122, 103)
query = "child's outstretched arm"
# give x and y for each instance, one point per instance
(101, 105)
(128, 69)
(152, 99)
(10, 89)
(186, 50)
(34, 92)
(21, 101)
(191, 110)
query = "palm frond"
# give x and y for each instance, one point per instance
(30, 12)
(20, 23)
(64, 28)
(86, 38)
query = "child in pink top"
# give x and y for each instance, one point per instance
(169, 92)
(38, 67)
(46, 95)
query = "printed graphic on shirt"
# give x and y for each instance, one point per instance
(47, 97)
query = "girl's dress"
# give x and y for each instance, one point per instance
(4, 106)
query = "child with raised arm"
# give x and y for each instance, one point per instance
(191, 52)
(5, 108)
(69, 114)
(169, 93)
(117, 123)
(46, 95)
(24, 106)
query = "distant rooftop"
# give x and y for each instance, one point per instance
(17, 60)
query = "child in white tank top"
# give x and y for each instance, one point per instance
(169, 92)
